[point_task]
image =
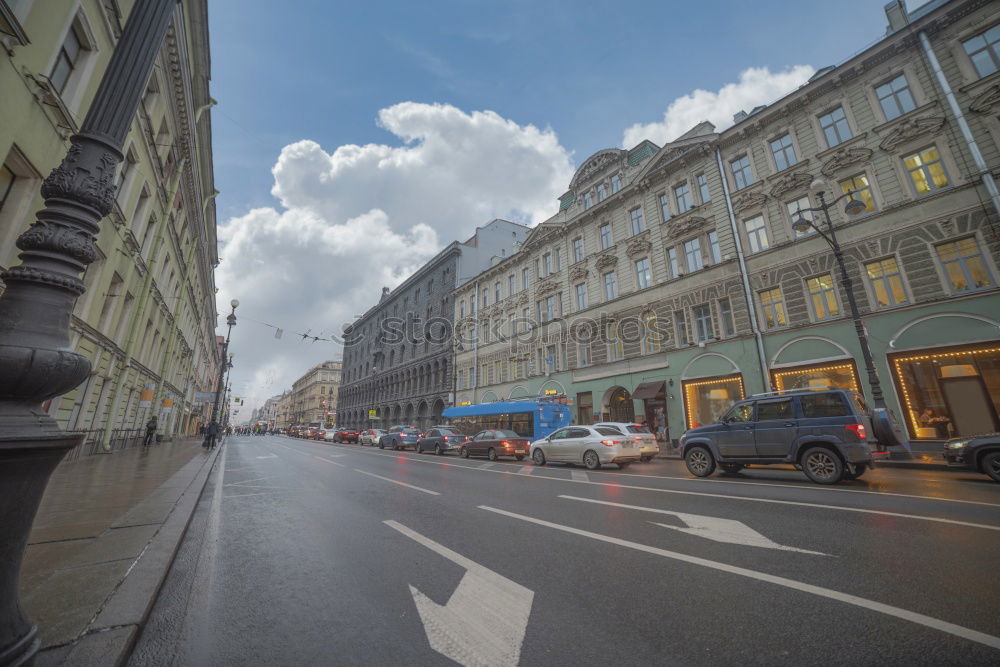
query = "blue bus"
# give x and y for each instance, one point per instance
(529, 418)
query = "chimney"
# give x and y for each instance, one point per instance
(895, 12)
(739, 116)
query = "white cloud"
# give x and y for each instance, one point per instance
(364, 217)
(756, 86)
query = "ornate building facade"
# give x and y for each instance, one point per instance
(671, 282)
(314, 395)
(147, 319)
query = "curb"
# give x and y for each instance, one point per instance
(904, 465)
(111, 633)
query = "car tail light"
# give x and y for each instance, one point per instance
(504, 443)
(857, 429)
(445, 438)
(609, 443)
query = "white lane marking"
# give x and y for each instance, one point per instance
(396, 481)
(713, 528)
(482, 466)
(900, 515)
(329, 461)
(526, 470)
(897, 612)
(484, 620)
(245, 481)
(245, 495)
(269, 456)
(579, 476)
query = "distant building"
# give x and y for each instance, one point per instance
(398, 355)
(314, 395)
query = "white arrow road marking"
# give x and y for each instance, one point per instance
(329, 461)
(729, 531)
(830, 594)
(486, 617)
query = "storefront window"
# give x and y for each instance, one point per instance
(706, 400)
(839, 376)
(949, 392)
(620, 406)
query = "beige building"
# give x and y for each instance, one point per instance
(671, 282)
(314, 395)
(147, 319)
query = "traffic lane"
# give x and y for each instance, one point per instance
(973, 512)
(895, 560)
(591, 569)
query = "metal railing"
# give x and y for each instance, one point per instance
(90, 445)
(123, 438)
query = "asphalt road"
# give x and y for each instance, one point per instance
(304, 553)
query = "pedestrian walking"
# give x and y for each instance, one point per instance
(150, 431)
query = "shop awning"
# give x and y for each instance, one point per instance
(648, 390)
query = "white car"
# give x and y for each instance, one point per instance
(648, 447)
(371, 436)
(593, 446)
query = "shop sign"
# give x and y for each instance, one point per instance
(464, 403)
(146, 396)
(372, 414)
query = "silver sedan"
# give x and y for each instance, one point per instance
(593, 446)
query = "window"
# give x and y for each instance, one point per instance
(963, 263)
(546, 263)
(525, 278)
(895, 97)
(703, 192)
(616, 184)
(692, 255)
(616, 350)
(926, 171)
(486, 298)
(726, 318)
(605, 236)
(783, 152)
(673, 266)
(638, 222)
(713, 246)
(984, 51)
(538, 268)
(578, 249)
(652, 339)
(643, 276)
(588, 201)
(496, 291)
(774, 308)
(826, 404)
(511, 285)
(558, 256)
(610, 286)
(756, 234)
(680, 323)
(583, 355)
(703, 329)
(823, 297)
(602, 192)
(795, 210)
(7, 179)
(67, 59)
(835, 127)
(472, 305)
(886, 282)
(741, 171)
(775, 410)
(581, 296)
(682, 195)
(862, 190)
(664, 207)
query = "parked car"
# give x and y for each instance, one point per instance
(593, 446)
(319, 434)
(495, 443)
(441, 439)
(826, 434)
(330, 435)
(648, 447)
(347, 435)
(400, 437)
(980, 453)
(371, 436)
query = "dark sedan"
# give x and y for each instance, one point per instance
(441, 439)
(980, 453)
(494, 444)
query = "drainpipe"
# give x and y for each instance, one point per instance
(475, 345)
(747, 292)
(977, 156)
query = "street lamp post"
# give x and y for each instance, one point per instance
(36, 360)
(224, 364)
(886, 429)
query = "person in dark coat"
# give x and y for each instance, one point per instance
(150, 431)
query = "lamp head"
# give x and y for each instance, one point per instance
(800, 224)
(854, 207)
(234, 303)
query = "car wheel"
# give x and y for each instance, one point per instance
(991, 465)
(464, 452)
(591, 460)
(622, 466)
(438, 450)
(381, 445)
(699, 462)
(492, 454)
(538, 457)
(519, 457)
(645, 459)
(731, 468)
(854, 470)
(822, 466)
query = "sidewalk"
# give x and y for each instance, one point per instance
(102, 543)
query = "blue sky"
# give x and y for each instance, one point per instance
(388, 129)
